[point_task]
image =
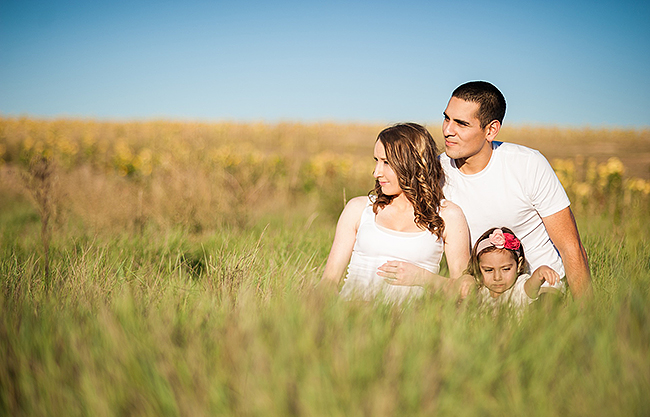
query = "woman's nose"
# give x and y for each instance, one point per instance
(377, 172)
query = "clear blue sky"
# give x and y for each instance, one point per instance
(583, 63)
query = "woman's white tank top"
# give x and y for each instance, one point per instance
(374, 246)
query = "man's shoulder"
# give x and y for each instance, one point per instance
(514, 148)
(505, 149)
(506, 157)
(513, 154)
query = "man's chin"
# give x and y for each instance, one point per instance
(450, 151)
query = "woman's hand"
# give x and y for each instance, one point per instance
(466, 285)
(403, 273)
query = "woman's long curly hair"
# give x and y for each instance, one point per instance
(411, 152)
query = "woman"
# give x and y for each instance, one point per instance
(403, 224)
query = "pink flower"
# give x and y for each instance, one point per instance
(511, 242)
(497, 238)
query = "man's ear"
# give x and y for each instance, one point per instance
(492, 130)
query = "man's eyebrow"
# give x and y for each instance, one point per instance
(459, 121)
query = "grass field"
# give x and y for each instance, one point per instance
(163, 269)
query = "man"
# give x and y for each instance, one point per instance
(503, 184)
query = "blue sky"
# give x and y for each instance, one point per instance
(569, 64)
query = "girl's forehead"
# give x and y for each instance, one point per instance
(497, 256)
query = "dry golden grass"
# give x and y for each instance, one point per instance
(201, 176)
(147, 144)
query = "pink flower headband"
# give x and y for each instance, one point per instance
(499, 240)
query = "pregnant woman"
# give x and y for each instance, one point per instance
(402, 223)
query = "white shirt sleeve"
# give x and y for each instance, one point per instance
(546, 193)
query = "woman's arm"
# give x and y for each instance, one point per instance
(457, 250)
(541, 274)
(346, 235)
(456, 238)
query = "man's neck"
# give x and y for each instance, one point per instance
(477, 162)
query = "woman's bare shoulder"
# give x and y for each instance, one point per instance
(450, 211)
(361, 201)
(355, 207)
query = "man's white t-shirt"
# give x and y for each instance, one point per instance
(516, 189)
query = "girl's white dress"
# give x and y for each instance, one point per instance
(376, 245)
(514, 297)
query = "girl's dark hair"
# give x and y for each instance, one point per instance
(474, 269)
(411, 152)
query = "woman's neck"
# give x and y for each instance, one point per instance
(398, 215)
(400, 202)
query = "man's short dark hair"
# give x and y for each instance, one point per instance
(492, 104)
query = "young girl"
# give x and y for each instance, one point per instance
(403, 223)
(499, 265)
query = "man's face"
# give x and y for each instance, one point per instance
(462, 130)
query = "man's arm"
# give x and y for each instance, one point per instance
(563, 231)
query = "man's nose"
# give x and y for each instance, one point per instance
(447, 129)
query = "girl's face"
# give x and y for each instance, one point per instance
(499, 270)
(384, 173)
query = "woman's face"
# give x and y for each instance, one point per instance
(499, 270)
(384, 173)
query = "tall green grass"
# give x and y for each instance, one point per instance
(232, 322)
(177, 274)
